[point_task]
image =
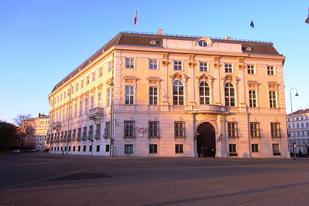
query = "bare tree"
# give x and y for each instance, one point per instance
(25, 130)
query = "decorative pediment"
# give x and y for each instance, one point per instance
(273, 83)
(154, 79)
(230, 77)
(205, 76)
(178, 75)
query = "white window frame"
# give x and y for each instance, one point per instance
(229, 97)
(130, 95)
(271, 70)
(272, 97)
(176, 65)
(203, 96)
(153, 99)
(230, 68)
(153, 64)
(203, 66)
(252, 94)
(177, 94)
(129, 63)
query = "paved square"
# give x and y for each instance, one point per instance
(42, 179)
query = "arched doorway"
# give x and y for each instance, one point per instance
(206, 140)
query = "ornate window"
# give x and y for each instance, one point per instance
(129, 129)
(275, 129)
(254, 129)
(229, 95)
(129, 94)
(179, 129)
(178, 93)
(153, 95)
(153, 129)
(252, 98)
(153, 64)
(272, 99)
(204, 93)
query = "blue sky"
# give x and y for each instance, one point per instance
(43, 40)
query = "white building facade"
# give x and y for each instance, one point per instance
(164, 95)
(298, 130)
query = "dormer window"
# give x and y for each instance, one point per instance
(202, 43)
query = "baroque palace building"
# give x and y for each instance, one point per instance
(171, 95)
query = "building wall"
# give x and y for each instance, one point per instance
(141, 77)
(298, 130)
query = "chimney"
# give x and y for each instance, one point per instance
(228, 38)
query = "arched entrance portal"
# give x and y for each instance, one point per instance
(206, 140)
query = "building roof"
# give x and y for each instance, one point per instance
(300, 111)
(144, 39)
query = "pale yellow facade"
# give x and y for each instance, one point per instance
(41, 126)
(246, 120)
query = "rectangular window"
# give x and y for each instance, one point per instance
(129, 63)
(100, 72)
(87, 80)
(76, 87)
(232, 150)
(272, 99)
(85, 133)
(129, 94)
(82, 84)
(79, 134)
(129, 129)
(153, 129)
(203, 67)
(153, 95)
(78, 148)
(153, 149)
(110, 66)
(177, 65)
(108, 96)
(84, 149)
(99, 99)
(275, 129)
(276, 149)
(178, 148)
(270, 70)
(254, 129)
(90, 148)
(98, 148)
(153, 64)
(255, 147)
(232, 129)
(179, 129)
(128, 148)
(90, 132)
(98, 131)
(107, 148)
(250, 69)
(92, 102)
(252, 98)
(228, 68)
(86, 105)
(93, 76)
(107, 130)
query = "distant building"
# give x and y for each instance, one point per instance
(298, 131)
(172, 95)
(40, 124)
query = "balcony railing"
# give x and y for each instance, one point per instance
(209, 108)
(96, 113)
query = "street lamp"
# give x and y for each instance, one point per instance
(294, 140)
(296, 95)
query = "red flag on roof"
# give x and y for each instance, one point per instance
(135, 18)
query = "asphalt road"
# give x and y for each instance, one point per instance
(42, 179)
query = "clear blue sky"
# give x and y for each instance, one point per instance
(41, 41)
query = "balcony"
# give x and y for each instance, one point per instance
(56, 125)
(96, 113)
(207, 109)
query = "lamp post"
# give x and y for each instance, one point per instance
(296, 95)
